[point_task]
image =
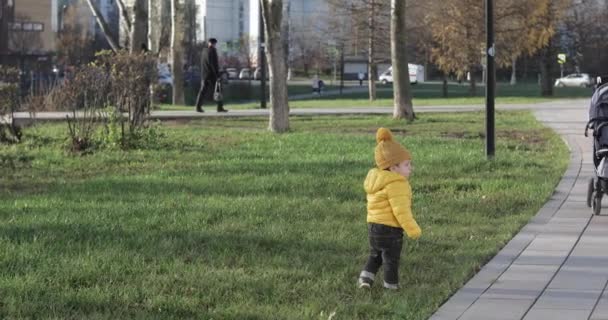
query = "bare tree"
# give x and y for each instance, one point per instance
(105, 29)
(177, 47)
(403, 107)
(75, 42)
(306, 50)
(272, 11)
(369, 26)
(139, 25)
(154, 25)
(191, 39)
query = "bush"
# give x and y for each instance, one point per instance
(119, 81)
(131, 77)
(85, 94)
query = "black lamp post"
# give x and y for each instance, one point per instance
(490, 79)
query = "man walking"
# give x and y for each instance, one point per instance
(211, 74)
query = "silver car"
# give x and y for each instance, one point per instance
(574, 80)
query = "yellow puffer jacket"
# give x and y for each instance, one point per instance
(389, 201)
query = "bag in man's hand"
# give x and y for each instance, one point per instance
(217, 93)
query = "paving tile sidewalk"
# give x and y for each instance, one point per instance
(557, 266)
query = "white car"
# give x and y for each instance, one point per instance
(387, 76)
(574, 80)
(232, 73)
(245, 73)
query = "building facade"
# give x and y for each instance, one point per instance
(232, 20)
(30, 31)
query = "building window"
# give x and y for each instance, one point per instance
(26, 26)
(241, 19)
(15, 26)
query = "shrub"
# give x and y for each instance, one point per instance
(84, 95)
(131, 77)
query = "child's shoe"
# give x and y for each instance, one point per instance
(389, 286)
(364, 283)
(366, 279)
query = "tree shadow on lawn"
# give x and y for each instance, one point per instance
(310, 179)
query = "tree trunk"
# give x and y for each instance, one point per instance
(177, 48)
(154, 31)
(403, 107)
(546, 83)
(122, 9)
(279, 112)
(285, 31)
(103, 26)
(371, 62)
(154, 25)
(139, 26)
(473, 87)
(513, 70)
(444, 86)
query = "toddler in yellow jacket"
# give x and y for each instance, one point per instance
(389, 210)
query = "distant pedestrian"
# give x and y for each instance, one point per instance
(389, 210)
(315, 85)
(361, 76)
(210, 77)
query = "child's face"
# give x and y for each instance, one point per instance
(404, 168)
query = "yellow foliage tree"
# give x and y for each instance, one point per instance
(521, 26)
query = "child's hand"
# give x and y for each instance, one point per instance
(415, 235)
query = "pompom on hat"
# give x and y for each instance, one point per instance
(389, 152)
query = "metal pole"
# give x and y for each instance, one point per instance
(341, 68)
(490, 80)
(262, 61)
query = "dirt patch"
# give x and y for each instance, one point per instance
(462, 135)
(535, 137)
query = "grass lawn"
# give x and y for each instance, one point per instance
(224, 220)
(425, 94)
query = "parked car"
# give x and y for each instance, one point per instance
(192, 76)
(232, 73)
(257, 74)
(574, 80)
(245, 74)
(387, 76)
(165, 79)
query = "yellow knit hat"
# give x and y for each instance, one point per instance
(389, 152)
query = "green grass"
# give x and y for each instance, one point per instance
(224, 220)
(425, 94)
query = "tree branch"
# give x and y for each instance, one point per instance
(104, 26)
(125, 16)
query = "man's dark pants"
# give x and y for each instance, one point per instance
(385, 248)
(206, 93)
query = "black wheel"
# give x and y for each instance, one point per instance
(590, 192)
(597, 204)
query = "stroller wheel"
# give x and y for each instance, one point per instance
(590, 192)
(597, 204)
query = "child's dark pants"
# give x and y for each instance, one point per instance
(385, 248)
